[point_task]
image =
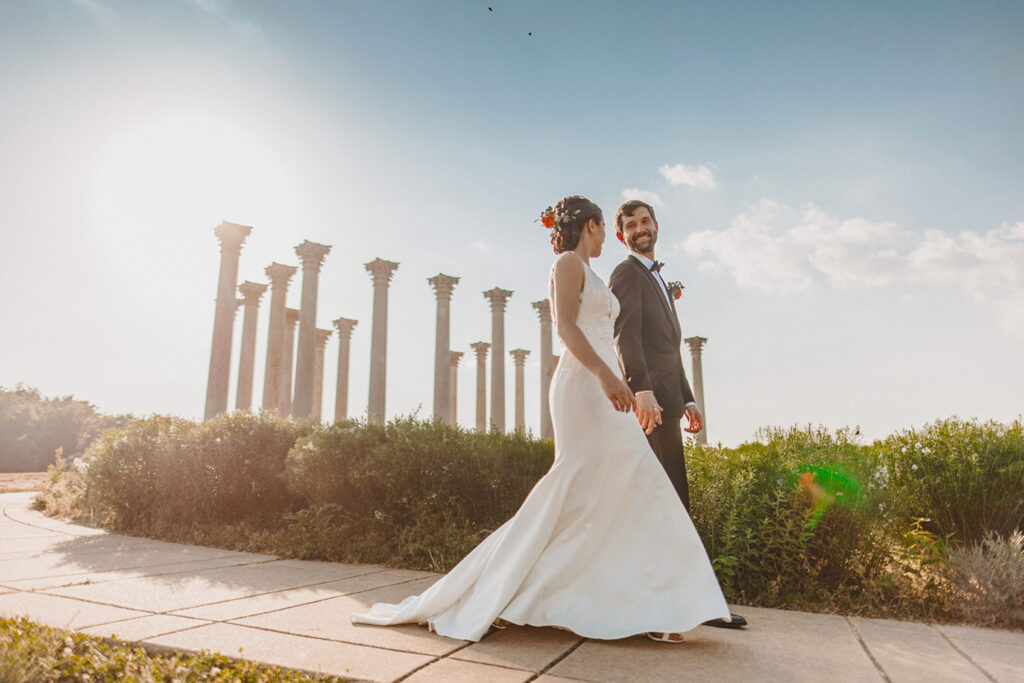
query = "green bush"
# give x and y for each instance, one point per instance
(418, 493)
(965, 478)
(33, 428)
(789, 520)
(166, 472)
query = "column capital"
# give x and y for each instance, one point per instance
(252, 291)
(519, 356)
(695, 344)
(443, 285)
(231, 235)
(280, 274)
(291, 317)
(543, 308)
(345, 327)
(322, 336)
(381, 271)
(481, 349)
(498, 297)
(456, 357)
(312, 254)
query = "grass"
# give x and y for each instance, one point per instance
(33, 653)
(18, 482)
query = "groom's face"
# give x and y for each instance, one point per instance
(640, 231)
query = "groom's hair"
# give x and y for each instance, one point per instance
(628, 209)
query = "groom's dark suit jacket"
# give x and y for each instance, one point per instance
(648, 337)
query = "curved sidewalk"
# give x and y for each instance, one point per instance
(295, 614)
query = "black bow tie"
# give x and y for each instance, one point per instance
(656, 266)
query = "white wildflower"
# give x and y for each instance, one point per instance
(903, 450)
(917, 445)
(378, 515)
(914, 467)
(926, 450)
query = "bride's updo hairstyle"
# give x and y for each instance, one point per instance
(571, 215)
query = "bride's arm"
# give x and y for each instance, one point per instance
(569, 276)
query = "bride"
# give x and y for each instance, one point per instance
(602, 545)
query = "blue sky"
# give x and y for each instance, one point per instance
(839, 185)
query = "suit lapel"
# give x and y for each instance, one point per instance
(669, 309)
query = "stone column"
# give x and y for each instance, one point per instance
(443, 286)
(284, 382)
(498, 298)
(381, 271)
(231, 238)
(312, 255)
(547, 366)
(345, 327)
(453, 388)
(696, 344)
(279, 275)
(318, 372)
(481, 384)
(251, 291)
(519, 358)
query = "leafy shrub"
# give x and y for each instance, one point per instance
(170, 472)
(988, 578)
(33, 428)
(965, 478)
(418, 493)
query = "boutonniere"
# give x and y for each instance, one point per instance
(675, 289)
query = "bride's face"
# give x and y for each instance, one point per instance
(596, 230)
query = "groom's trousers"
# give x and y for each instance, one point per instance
(667, 443)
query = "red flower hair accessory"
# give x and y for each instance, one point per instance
(547, 218)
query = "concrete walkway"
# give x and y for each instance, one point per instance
(296, 614)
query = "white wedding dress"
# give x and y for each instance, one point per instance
(601, 546)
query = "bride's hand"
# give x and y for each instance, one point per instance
(618, 393)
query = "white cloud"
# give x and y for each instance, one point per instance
(781, 249)
(651, 198)
(699, 176)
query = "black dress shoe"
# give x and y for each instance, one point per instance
(736, 622)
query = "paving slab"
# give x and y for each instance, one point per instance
(75, 575)
(998, 653)
(273, 602)
(520, 647)
(909, 651)
(186, 588)
(61, 612)
(332, 619)
(777, 645)
(460, 671)
(311, 654)
(142, 628)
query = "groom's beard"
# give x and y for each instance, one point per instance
(642, 243)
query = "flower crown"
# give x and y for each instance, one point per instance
(548, 218)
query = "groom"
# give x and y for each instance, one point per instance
(648, 336)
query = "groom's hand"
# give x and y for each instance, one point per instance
(648, 411)
(694, 419)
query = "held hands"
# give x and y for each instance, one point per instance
(618, 393)
(648, 411)
(695, 420)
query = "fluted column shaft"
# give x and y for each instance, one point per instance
(381, 271)
(480, 348)
(231, 238)
(498, 298)
(696, 344)
(344, 327)
(279, 275)
(284, 382)
(318, 372)
(547, 367)
(312, 255)
(519, 358)
(443, 286)
(251, 293)
(453, 388)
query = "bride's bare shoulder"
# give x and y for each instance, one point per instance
(568, 263)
